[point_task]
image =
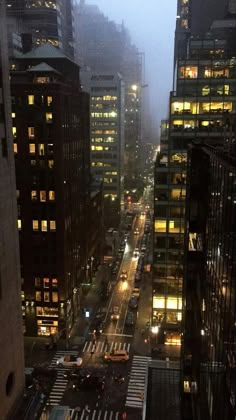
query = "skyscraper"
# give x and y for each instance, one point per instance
(11, 337)
(51, 145)
(205, 92)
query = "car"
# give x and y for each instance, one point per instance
(114, 269)
(115, 315)
(143, 248)
(133, 302)
(69, 360)
(123, 275)
(116, 356)
(136, 292)
(129, 320)
(136, 232)
(98, 328)
(136, 252)
(89, 383)
(137, 276)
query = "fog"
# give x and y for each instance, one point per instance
(151, 24)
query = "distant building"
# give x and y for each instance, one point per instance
(51, 145)
(47, 21)
(107, 139)
(11, 337)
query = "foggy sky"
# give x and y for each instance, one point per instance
(151, 24)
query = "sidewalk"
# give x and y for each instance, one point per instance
(35, 347)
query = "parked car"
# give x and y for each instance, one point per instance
(69, 360)
(133, 302)
(116, 356)
(136, 292)
(115, 315)
(136, 252)
(129, 320)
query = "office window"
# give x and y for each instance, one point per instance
(46, 296)
(41, 149)
(44, 225)
(54, 283)
(51, 163)
(190, 72)
(55, 297)
(35, 224)
(14, 132)
(48, 117)
(15, 148)
(51, 195)
(38, 296)
(31, 132)
(49, 100)
(37, 282)
(52, 225)
(43, 196)
(30, 99)
(160, 226)
(32, 148)
(46, 283)
(13, 115)
(34, 195)
(19, 224)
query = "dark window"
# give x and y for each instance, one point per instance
(10, 383)
(4, 147)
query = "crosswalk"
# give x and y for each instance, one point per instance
(137, 380)
(102, 346)
(61, 383)
(95, 415)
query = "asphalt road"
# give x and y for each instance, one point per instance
(116, 335)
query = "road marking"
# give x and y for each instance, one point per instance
(120, 335)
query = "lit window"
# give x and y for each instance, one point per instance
(44, 225)
(30, 99)
(38, 296)
(31, 133)
(32, 148)
(51, 195)
(41, 149)
(19, 224)
(52, 225)
(49, 117)
(14, 132)
(13, 115)
(17, 194)
(54, 283)
(15, 148)
(160, 226)
(46, 296)
(49, 100)
(43, 196)
(42, 79)
(46, 283)
(50, 163)
(34, 195)
(37, 281)
(54, 297)
(35, 225)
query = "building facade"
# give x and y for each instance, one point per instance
(205, 93)
(51, 145)
(107, 139)
(47, 21)
(208, 352)
(11, 338)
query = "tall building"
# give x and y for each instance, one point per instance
(209, 339)
(47, 21)
(205, 92)
(51, 144)
(11, 337)
(105, 46)
(107, 139)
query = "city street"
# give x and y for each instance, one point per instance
(124, 395)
